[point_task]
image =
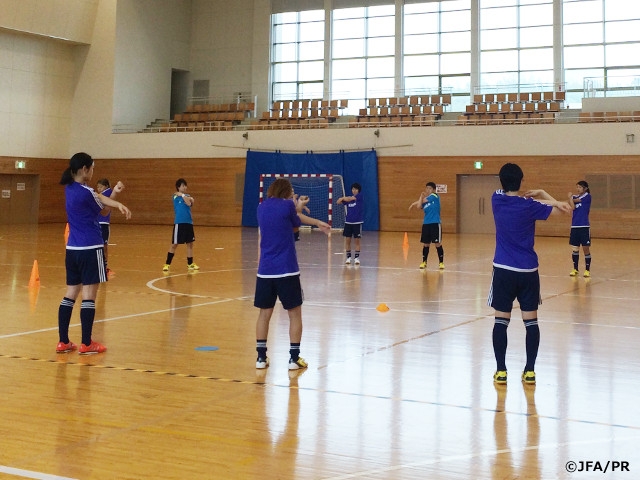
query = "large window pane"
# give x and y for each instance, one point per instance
(311, 90)
(502, 61)
(348, 88)
(283, 91)
(421, 65)
(583, 33)
(622, 55)
(574, 79)
(285, 72)
(455, 5)
(417, 85)
(581, 57)
(498, 17)
(426, 23)
(536, 37)
(455, 42)
(536, 59)
(455, 63)
(381, 26)
(311, 71)
(455, 21)
(380, 67)
(311, 51)
(379, 87)
(312, 16)
(628, 31)
(381, 46)
(341, 13)
(581, 12)
(621, 9)
(311, 31)
(353, 68)
(456, 84)
(503, 38)
(534, 15)
(285, 33)
(382, 10)
(536, 79)
(508, 79)
(348, 48)
(420, 8)
(285, 52)
(352, 28)
(420, 44)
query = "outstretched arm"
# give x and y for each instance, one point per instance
(324, 227)
(418, 203)
(572, 201)
(544, 197)
(346, 199)
(108, 202)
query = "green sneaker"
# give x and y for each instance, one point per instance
(500, 377)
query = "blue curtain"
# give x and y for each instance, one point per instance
(360, 167)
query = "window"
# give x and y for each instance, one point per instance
(298, 55)
(437, 50)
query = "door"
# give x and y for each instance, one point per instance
(474, 199)
(19, 199)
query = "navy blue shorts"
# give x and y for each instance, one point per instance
(106, 232)
(183, 233)
(352, 230)
(287, 289)
(85, 267)
(431, 233)
(580, 236)
(507, 286)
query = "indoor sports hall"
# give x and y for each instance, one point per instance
(391, 94)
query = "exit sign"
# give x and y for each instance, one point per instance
(477, 165)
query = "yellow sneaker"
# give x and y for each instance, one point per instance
(193, 266)
(529, 377)
(573, 273)
(423, 265)
(165, 268)
(441, 266)
(587, 274)
(500, 377)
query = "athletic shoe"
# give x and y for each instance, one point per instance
(297, 364)
(500, 377)
(423, 265)
(66, 347)
(587, 274)
(166, 267)
(193, 266)
(356, 261)
(441, 266)
(262, 362)
(573, 273)
(92, 349)
(110, 273)
(347, 261)
(529, 377)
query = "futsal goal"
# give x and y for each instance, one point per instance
(323, 190)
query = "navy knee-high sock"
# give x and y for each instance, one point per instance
(440, 253)
(575, 257)
(425, 253)
(64, 318)
(87, 315)
(532, 343)
(500, 342)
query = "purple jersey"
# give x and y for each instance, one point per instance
(580, 216)
(83, 207)
(277, 218)
(355, 210)
(105, 218)
(515, 218)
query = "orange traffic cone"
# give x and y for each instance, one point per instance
(66, 234)
(35, 275)
(405, 243)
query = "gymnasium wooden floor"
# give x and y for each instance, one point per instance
(405, 394)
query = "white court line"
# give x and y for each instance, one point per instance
(451, 458)
(29, 474)
(20, 334)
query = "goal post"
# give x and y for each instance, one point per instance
(323, 190)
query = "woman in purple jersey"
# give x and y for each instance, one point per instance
(84, 259)
(580, 228)
(515, 265)
(278, 272)
(103, 186)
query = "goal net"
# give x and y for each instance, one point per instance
(323, 189)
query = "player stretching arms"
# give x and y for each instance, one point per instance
(353, 222)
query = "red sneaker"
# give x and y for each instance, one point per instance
(66, 347)
(95, 347)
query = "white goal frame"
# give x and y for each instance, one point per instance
(329, 176)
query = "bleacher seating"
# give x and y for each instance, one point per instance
(290, 114)
(415, 110)
(209, 117)
(603, 117)
(512, 108)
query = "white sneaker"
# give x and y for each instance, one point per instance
(262, 363)
(347, 261)
(356, 261)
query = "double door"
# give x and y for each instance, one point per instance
(19, 198)
(474, 200)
